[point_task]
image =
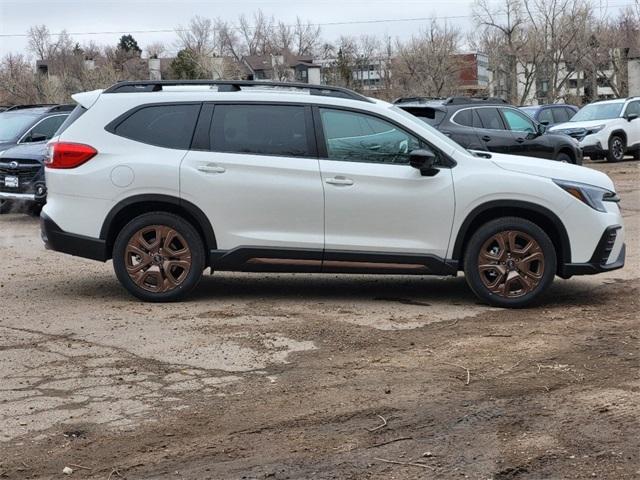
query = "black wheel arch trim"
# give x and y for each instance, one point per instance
(203, 223)
(463, 231)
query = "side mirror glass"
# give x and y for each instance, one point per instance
(424, 160)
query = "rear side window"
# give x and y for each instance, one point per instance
(468, 118)
(432, 116)
(261, 130)
(560, 115)
(169, 126)
(490, 118)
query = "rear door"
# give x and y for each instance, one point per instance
(492, 131)
(462, 129)
(253, 170)
(633, 130)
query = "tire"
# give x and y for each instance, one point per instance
(35, 209)
(563, 157)
(528, 281)
(141, 254)
(5, 206)
(616, 149)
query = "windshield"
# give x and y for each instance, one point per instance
(441, 136)
(13, 124)
(598, 111)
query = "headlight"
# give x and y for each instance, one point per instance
(592, 196)
(596, 129)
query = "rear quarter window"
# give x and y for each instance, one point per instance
(169, 126)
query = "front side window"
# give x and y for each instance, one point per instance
(490, 118)
(518, 122)
(633, 108)
(169, 126)
(546, 116)
(45, 129)
(357, 137)
(260, 130)
(561, 115)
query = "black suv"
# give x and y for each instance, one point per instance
(490, 124)
(31, 123)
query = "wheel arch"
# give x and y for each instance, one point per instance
(619, 133)
(129, 208)
(570, 152)
(541, 216)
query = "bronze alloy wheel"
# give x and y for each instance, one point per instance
(511, 264)
(157, 258)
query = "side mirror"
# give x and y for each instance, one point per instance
(631, 116)
(545, 123)
(542, 128)
(424, 160)
(37, 137)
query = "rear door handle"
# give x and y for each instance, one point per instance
(339, 181)
(211, 168)
(486, 138)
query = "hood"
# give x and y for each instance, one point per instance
(552, 169)
(578, 125)
(35, 151)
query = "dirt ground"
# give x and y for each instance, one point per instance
(309, 376)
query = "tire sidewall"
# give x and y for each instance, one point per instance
(489, 229)
(190, 235)
(610, 156)
(563, 157)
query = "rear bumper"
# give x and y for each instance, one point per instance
(55, 238)
(600, 261)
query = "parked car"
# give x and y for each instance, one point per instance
(22, 181)
(31, 123)
(550, 114)
(490, 124)
(168, 181)
(608, 129)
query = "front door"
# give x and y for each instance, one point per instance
(256, 177)
(492, 132)
(526, 139)
(375, 202)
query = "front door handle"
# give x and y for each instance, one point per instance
(339, 180)
(486, 138)
(520, 140)
(211, 168)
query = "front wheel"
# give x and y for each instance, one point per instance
(563, 157)
(509, 262)
(159, 257)
(616, 149)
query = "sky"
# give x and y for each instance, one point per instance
(394, 18)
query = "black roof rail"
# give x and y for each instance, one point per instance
(33, 105)
(235, 86)
(473, 100)
(417, 99)
(67, 107)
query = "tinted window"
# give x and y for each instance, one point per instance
(44, 129)
(518, 122)
(633, 108)
(13, 123)
(570, 112)
(560, 115)
(169, 126)
(428, 115)
(464, 118)
(547, 115)
(260, 129)
(490, 118)
(357, 137)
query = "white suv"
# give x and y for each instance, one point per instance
(169, 178)
(608, 129)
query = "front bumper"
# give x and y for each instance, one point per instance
(18, 197)
(600, 261)
(55, 238)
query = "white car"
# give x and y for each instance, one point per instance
(170, 178)
(608, 129)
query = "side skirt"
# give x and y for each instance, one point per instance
(265, 259)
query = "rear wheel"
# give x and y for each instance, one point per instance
(616, 149)
(510, 262)
(159, 257)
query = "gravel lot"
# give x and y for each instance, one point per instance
(309, 376)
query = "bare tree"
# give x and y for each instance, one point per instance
(155, 49)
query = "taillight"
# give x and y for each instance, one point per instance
(68, 155)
